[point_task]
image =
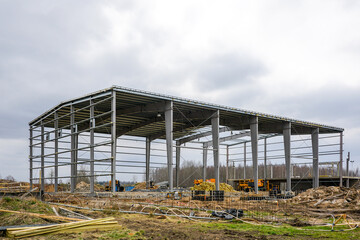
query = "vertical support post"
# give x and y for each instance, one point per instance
(169, 140)
(340, 168)
(113, 142)
(265, 159)
(272, 171)
(227, 163)
(92, 149)
(254, 148)
(215, 122)
(76, 154)
(347, 170)
(72, 144)
(177, 172)
(287, 150)
(31, 157)
(56, 149)
(205, 148)
(42, 159)
(315, 151)
(244, 160)
(234, 173)
(147, 163)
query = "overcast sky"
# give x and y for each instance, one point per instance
(297, 59)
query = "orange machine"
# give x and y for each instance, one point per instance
(200, 181)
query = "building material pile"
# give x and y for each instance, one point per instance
(329, 197)
(8, 186)
(86, 225)
(142, 185)
(209, 186)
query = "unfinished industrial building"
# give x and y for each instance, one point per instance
(119, 132)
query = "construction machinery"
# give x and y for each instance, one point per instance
(248, 185)
(118, 188)
(200, 181)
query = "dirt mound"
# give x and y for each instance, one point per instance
(329, 197)
(209, 186)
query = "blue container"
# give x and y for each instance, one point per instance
(129, 188)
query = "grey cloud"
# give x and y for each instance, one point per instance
(228, 69)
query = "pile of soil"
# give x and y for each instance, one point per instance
(329, 197)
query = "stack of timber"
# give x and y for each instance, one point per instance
(86, 225)
(7, 186)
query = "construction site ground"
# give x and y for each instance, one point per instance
(150, 215)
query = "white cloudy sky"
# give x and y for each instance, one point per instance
(298, 59)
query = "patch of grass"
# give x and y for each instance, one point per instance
(28, 205)
(286, 230)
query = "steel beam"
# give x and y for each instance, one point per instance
(201, 135)
(92, 149)
(177, 172)
(147, 163)
(254, 148)
(169, 140)
(341, 160)
(205, 150)
(113, 142)
(287, 150)
(56, 149)
(215, 122)
(229, 138)
(315, 151)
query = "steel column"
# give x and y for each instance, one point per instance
(169, 140)
(72, 144)
(42, 174)
(244, 160)
(287, 150)
(56, 149)
(204, 161)
(31, 158)
(265, 163)
(177, 163)
(315, 150)
(340, 169)
(234, 174)
(347, 170)
(254, 148)
(113, 142)
(227, 163)
(147, 163)
(92, 149)
(215, 122)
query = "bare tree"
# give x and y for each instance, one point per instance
(10, 178)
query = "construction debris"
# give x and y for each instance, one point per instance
(25, 232)
(209, 186)
(142, 185)
(9, 186)
(329, 197)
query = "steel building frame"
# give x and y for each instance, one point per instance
(56, 136)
